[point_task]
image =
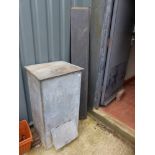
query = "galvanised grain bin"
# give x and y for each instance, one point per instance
(55, 97)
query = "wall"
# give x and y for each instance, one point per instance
(131, 64)
(81, 3)
(44, 36)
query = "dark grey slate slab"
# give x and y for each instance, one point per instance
(96, 22)
(103, 50)
(80, 50)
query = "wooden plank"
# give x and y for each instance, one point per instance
(80, 50)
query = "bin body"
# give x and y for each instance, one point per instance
(55, 97)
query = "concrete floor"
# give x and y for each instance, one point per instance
(93, 140)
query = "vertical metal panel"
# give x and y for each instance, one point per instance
(39, 25)
(53, 14)
(26, 35)
(22, 101)
(27, 51)
(65, 29)
(44, 36)
(81, 3)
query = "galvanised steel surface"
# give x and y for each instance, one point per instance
(55, 99)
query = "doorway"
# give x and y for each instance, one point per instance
(123, 108)
(116, 66)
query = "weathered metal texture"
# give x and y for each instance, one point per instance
(80, 50)
(36, 106)
(81, 3)
(22, 102)
(54, 99)
(103, 50)
(64, 134)
(118, 52)
(44, 27)
(26, 47)
(96, 20)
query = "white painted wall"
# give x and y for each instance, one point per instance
(131, 64)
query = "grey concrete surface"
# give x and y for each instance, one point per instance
(92, 140)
